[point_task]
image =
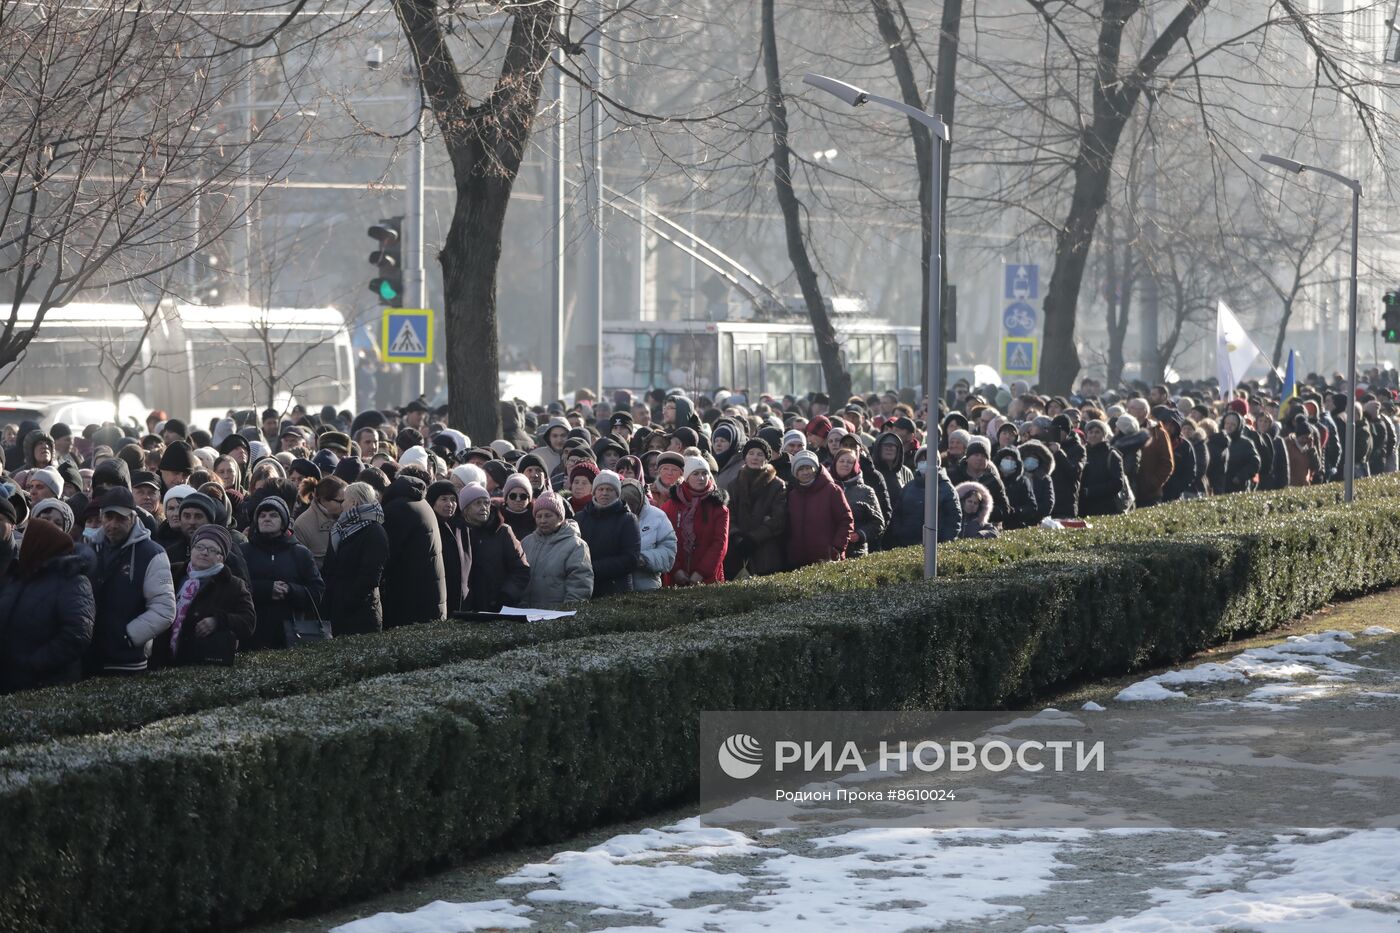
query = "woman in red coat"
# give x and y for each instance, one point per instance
(699, 512)
(819, 519)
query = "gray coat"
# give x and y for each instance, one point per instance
(561, 570)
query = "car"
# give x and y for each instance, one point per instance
(49, 410)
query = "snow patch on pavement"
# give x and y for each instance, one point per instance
(1147, 690)
(444, 917)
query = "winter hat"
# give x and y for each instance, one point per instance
(837, 433)
(439, 489)
(501, 447)
(215, 533)
(257, 450)
(181, 492)
(470, 493)
(175, 426)
(586, 468)
(498, 470)
(62, 514)
(1097, 423)
(694, 465)
(1127, 424)
(960, 436)
(1043, 423)
(516, 481)
(275, 504)
(805, 458)
(198, 500)
(470, 475)
(1167, 415)
(608, 478)
(820, 426)
(348, 468)
(548, 502)
(725, 430)
(460, 441)
(415, 456)
(179, 458)
(1062, 422)
(529, 460)
(979, 445)
(758, 443)
(794, 437)
(51, 477)
(671, 457)
(688, 437)
(1239, 406)
(42, 543)
(306, 467)
(326, 460)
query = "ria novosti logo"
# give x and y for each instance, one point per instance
(740, 756)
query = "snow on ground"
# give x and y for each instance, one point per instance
(443, 917)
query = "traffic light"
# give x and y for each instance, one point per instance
(388, 285)
(1390, 328)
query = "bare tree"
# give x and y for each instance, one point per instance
(112, 136)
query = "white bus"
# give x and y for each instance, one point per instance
(195, 363)
(777, 358)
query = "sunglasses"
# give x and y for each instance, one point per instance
(518, 497)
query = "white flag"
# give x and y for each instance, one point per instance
(1234, 351)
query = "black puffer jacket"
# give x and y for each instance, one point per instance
(281, 559)
(415, 587)
(352, 573)
(1103, 481)
(1019, 492)
(1042, 477)
(614, 545)
(500, 573)
(45, 625)
(1069, 472)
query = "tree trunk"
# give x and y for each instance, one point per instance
(945, 98)
(838, 380)
(1115, 94)
(485, 142)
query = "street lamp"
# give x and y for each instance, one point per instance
(1297, 168)
(855, 97)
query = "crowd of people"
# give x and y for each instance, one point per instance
(123, 550)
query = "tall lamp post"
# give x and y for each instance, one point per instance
(1288, 165)
(855, 97)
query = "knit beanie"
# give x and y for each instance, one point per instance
(548, 502)
(51, 477)
(820, 426)
(805, 458)
(62, 514)
(275, 504)
(306, 467)
(470, 474)
(179, 458)
(213, 532)
(608, 478)
(979, 445)
(794, 437)
(585, 468)
(415, 456)
(180, 492)
(498, 470)
(469, 494)
(198, 500)
(439, 489)
(758, 443)
(671, 457)
(1239, 406)
(1127, 424)
(517, 481)
(693, 465)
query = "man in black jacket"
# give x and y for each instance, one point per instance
(415, 588)
(1183, 455)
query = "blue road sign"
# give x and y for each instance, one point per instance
(1019, 319)
(1022, 281)
(1018, 356)
(407, 335)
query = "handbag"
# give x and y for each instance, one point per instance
(301, 629)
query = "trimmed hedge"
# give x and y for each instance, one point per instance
(297, 803)
(107, 705)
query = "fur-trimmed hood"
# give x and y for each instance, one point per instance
(1040, 452)
(983, 497)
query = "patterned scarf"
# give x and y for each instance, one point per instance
(690, 504)
(356, 519)
(194, 582)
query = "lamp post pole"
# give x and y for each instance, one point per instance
(1349, 454)
(932, 353)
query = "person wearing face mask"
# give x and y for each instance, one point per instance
(46, 607)
(909, 513)
(561, 568)
(613, 537)
(285, 580)
(1104, 488)
(1019, 493)
(497, 572)
(977, 466)
(214, 614)
(819, 519)
(700, 515)
(1039, 466)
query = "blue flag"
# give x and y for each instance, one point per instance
(1290, 386)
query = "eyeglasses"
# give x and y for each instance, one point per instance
(206, 549)
(518, 497)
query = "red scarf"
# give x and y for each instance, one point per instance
(690, 504)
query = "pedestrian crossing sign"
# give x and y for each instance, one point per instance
(1018, 356)
(407, 335)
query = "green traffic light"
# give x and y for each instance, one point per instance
(387, 290)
